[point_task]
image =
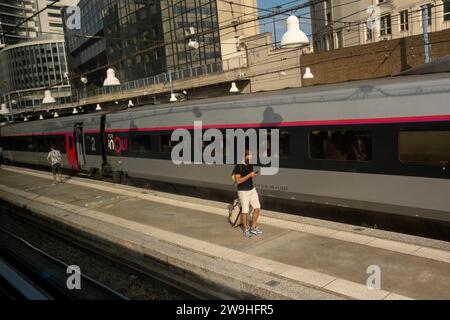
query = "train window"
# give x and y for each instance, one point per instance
(426, 147)
(30, 144)
(284, 143)
(42, 144)
(141, 143)
(341, 145)
(165, 143)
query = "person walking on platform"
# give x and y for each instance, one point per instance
(54, 157)
(243, 176)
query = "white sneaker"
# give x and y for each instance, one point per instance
(256, 231)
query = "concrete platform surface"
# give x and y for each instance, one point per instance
(296, 258)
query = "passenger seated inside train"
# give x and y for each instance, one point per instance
(340, 145)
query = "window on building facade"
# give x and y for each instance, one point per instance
(446, 10)
(329, 21)
(385, 25)
(329, 18)
(339, 39)
(404, 25)
(369, 34)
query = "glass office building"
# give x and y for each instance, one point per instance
(141, 38)
(29, 68)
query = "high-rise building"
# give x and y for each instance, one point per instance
(50, 20)
(12, 12)
(32, 53)
(344, 23)
(29, 68)
(144, 38)
(47, 22)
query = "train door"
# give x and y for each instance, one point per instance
(79, 145)
(71, 151)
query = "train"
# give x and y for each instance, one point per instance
(371, 150)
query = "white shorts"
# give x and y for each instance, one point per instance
(247, 199)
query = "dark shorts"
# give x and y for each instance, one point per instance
(56, 168)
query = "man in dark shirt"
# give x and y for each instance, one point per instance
(243, 176)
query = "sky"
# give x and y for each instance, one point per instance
(267, 25)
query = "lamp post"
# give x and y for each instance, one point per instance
(4, 110)
(84, 81)
(173, 98)
(277, 11)
(11, 103)
(8, 104)
(426, 43)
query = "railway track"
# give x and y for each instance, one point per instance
(41, 255)
(44, 273)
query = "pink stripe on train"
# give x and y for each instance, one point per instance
(411, 119)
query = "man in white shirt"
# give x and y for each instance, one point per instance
(54, 157)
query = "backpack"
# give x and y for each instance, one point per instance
(57, 155)
(234, 213)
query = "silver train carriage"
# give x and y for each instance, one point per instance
(380, 146)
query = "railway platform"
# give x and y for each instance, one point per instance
(295, 258)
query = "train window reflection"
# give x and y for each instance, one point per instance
(37, 143)
(341, 145)
(284, 144)
(141, 144)
(428, 147)
(165, 145)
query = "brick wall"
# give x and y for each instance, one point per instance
(373, 60)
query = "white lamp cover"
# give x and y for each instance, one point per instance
(41, 117)
(4, 110)
(98, 108)
(130, 103)
(75, 111)
(294, 37)
(56, 115)
(234, 88)
(173, 98)
(48, 99)
(308, 74)
(193, 44)
(111, 79)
